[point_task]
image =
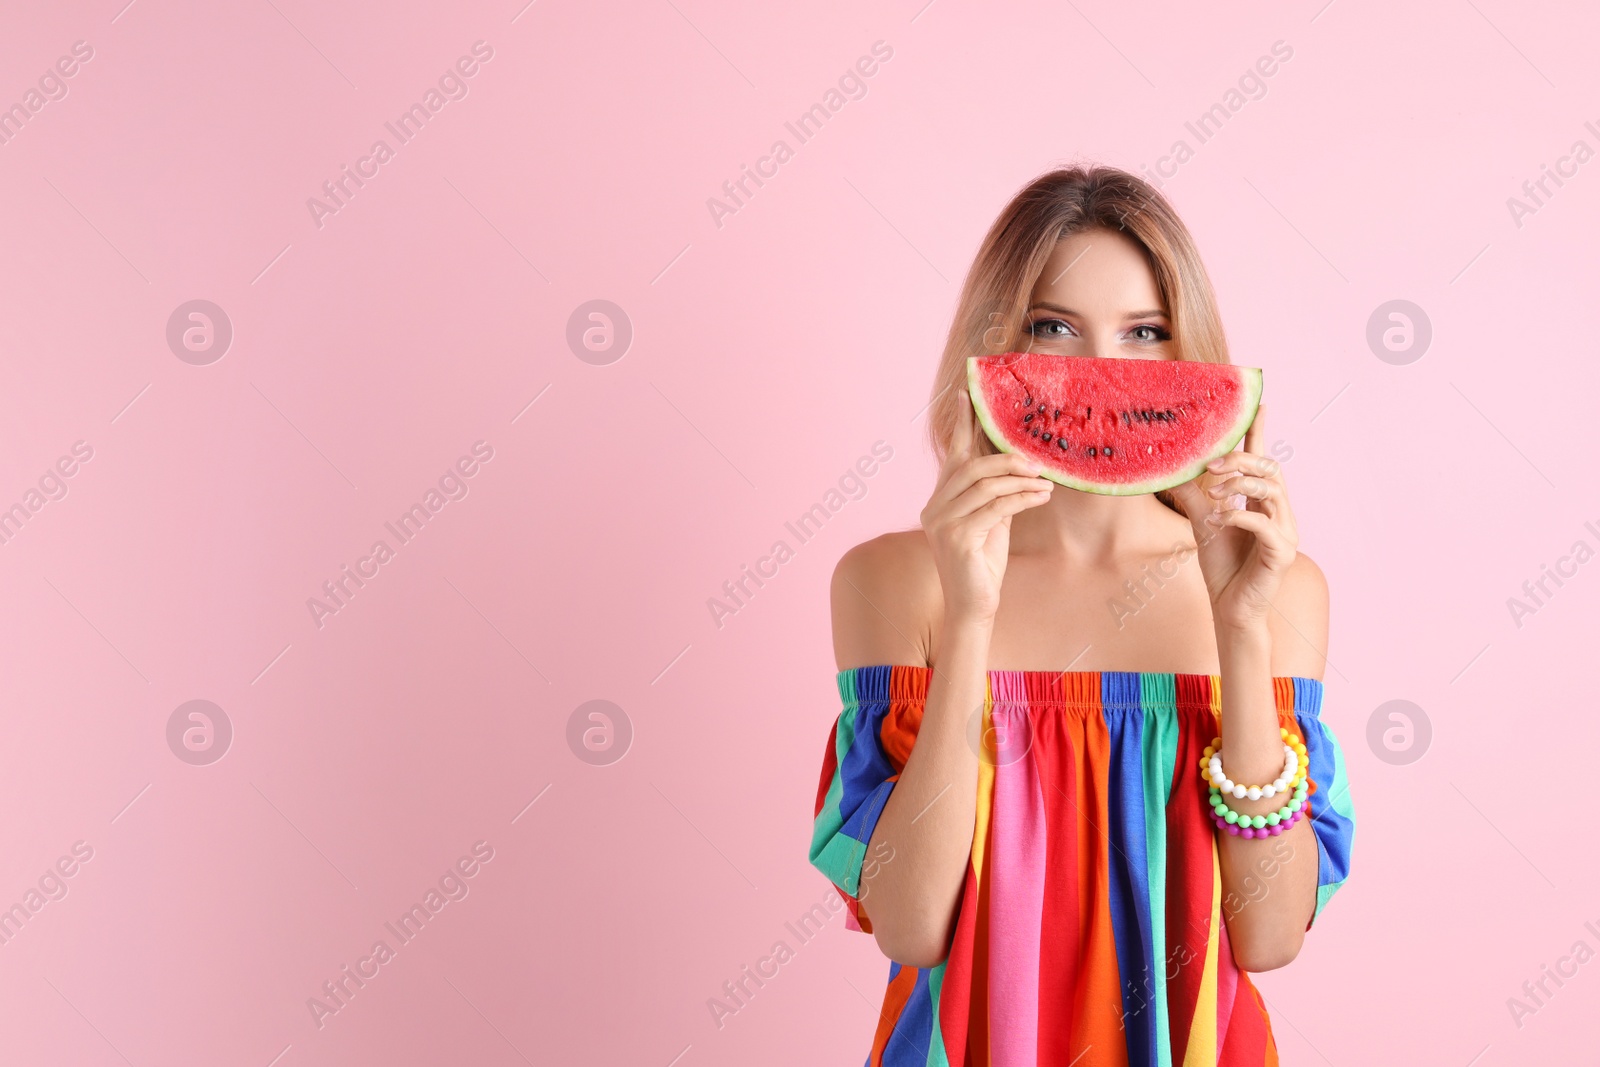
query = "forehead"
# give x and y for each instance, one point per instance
(1097, 269)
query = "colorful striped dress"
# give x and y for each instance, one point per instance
(1091, 926)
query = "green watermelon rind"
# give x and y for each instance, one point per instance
(1225, 443)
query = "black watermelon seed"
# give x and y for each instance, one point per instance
(1108, 450)
(1028, 403)
(1045, 438)
(1124, 418)
(1062, 441)
(1057, 415)
(1028, 417)
(1043, 408)
(1089, 413)
(1090, 450)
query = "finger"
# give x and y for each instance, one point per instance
(975, 429)
(1001, 507)
(1254, 488)
(1276, 551)
(1191, 495)
(1197, 508)
(962, 478)
(979, 438)
(961, 436)
(1207, 526)
(1267, 493)
(1253, 436)
(1247, 463)
(987, 489)
(963, 439)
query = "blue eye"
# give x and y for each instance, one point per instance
(1036, 328)
(1160, 334)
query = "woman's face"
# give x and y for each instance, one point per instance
(1098, 297)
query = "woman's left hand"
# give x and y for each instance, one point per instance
(1246, 550)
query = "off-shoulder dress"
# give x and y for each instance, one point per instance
(1091, 928)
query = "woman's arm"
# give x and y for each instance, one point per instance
(927, 824)
(1269, 885)
(1269, 605)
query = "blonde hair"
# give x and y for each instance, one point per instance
(992, 309)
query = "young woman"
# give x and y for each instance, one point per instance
(1017, 798)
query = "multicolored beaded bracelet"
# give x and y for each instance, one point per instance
(1293, 761)
(1284, 781)
(1293, 775)
(1222, 811)
(1294, 765)
(1262, 831)
(1271, 824)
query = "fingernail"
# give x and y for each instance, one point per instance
(1214, 464)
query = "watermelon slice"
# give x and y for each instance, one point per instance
(1114, 426)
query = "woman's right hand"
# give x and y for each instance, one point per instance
(968, 518)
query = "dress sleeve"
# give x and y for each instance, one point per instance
(1333, 816)
(867, 749)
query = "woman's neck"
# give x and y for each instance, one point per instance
(1089, 528)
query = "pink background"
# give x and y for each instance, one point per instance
(768, 355)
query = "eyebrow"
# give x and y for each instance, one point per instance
(1058, 309)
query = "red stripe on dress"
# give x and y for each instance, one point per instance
(956, 991)
(1191, 847)
(1249, 1042)
(1061, 924)
(978, 1018)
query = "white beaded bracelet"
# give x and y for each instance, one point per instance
(1281, 784)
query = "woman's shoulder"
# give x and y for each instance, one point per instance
(1299, 621)
(897, 549)
(1304, 589)
(885, 593)
(898, 563)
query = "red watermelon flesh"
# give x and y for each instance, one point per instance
(1115, 426)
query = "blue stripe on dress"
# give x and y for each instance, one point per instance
(1124, 716)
